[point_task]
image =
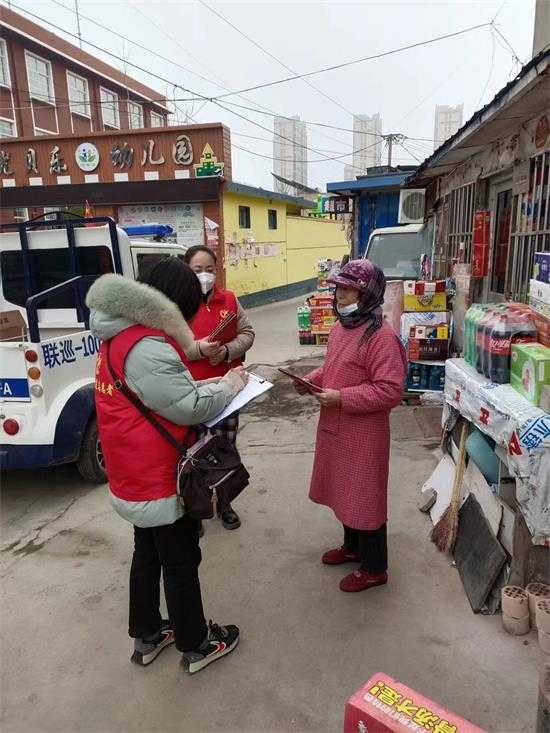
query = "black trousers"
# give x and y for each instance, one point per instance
(174, 548)
(371, 545)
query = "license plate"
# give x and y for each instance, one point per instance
(14, 389)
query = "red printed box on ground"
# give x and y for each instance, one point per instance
(384, 705)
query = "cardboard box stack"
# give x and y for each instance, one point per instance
(322, 316)
(12, 326)
(539, 296)
(425, 333)
(316, 318)
(530, 373)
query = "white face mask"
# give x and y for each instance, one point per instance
(347, 310)
(207, 280)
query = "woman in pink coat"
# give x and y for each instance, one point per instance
(362, 380)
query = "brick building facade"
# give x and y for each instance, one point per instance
(51, 87)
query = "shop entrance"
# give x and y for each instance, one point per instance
(500, 203)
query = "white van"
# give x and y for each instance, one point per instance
(398, 250)
(47, 411)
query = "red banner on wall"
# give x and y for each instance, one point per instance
(481, 243)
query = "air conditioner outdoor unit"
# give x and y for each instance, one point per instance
(411, 205)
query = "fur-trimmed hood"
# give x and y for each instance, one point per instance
(116, 302)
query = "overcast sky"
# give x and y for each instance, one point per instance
(404, 88)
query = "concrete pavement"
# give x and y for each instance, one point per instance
(305, 645)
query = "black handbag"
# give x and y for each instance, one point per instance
(210, 473)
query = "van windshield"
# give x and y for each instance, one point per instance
(398, 255)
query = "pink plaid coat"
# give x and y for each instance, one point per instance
(350, 472)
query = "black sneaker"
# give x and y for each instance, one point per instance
(230, 519)
(220, 641)
(146, 651)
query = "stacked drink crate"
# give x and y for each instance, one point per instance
(316, 318)
(425, 334)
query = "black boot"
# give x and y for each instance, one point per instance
(230, 518)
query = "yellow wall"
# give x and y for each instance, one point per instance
(259, 259)
(310, 240)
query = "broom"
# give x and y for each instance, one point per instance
(443, 534)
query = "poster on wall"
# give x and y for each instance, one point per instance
(185, 219)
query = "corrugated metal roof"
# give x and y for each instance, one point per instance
(369, 183)
(262, 193)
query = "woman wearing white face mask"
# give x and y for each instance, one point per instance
(215, 359)
(361, 381)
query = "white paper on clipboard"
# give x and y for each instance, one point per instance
(256, 386)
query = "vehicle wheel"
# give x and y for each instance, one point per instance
(90, 463)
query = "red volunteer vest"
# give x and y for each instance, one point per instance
(140, 463)
(208, 317)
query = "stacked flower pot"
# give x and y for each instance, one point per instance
(525, 609)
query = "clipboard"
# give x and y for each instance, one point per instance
(256, 386)
(304, 382)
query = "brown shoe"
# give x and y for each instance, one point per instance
(339, 556)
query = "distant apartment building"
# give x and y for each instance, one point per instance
(367, 143)
(289, 153)
(51, 87)
(446, 122)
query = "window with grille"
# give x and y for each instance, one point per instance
(454, 229)
(78, 95)
(530, 227)
(39, 74)
(157, 120)
(272, 218)
(4, 66)
(109, 108)
(7, 128)
(461, 217)
(135, 115)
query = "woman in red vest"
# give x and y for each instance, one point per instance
(216, 358)
(145, 336)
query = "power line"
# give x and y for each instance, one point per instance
(164, 58)
(238, 133)
(272, 56)
(323, 124)
(508, 44)
(293, 160)
(409, 152)
(160, 78)
(220, 81)
(304, 75)
(170, 61)
(428, 96)
(196, 96)
(353, 62)
(482, 95)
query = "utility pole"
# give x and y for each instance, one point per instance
(394, 137)
(78, 24)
